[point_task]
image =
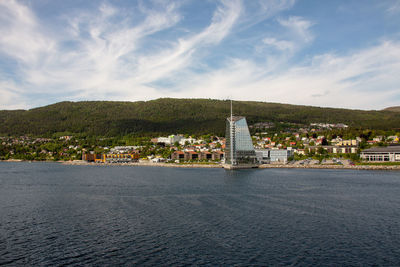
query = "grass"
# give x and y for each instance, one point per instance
(379, 163)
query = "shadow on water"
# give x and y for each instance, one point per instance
(239, 177)
(240, 174)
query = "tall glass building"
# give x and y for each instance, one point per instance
(239, 146)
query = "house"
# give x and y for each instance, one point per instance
(393, 139)
(353, 142)
(300, 151)
(344, 149)
(178, 155)
(206, 155)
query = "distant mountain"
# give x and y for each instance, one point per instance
(395, 109)
(167, 115)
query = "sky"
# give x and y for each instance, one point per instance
(342, 53)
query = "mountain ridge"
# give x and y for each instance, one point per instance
(393, 109)
(172, 115)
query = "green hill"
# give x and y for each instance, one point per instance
(395, 109)
(201, 116)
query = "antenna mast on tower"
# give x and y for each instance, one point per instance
(231, 110)
(232, 136)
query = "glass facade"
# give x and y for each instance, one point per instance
(239, 146)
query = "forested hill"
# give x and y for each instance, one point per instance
(395, 109)
(193, 116)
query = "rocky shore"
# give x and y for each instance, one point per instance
(350, 167)
(263, 166)
(150, 164)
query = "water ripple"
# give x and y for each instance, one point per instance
(60, 215)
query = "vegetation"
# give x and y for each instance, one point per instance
(167, 116)
(385, 163)
(394, 109)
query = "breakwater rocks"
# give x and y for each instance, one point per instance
(263, 166)
(150, 164)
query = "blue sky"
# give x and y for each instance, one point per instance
(321, 53)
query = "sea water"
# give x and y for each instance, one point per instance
(54, 214)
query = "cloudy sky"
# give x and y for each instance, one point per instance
(343, 53)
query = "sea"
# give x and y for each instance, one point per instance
(55, 215)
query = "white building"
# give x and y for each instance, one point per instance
(390, 153)
(189, 140)
(273, 155)
(170, 140)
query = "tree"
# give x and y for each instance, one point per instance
(324, 142)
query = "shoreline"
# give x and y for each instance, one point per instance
(335, 167)
(140, 164)
(214, 166)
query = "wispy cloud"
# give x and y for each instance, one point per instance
(366, 78)
(394, 8)
(260, 10)
(10, 95)
(138, 53)
(279, 44)
(106, 59)
(21, 34)
(299, 27)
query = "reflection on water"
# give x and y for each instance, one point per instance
(53, 214)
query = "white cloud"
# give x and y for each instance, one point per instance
(270, 7)
(295, 35)
(282, 45)
(11, 95)
(107, 60)
(180, 55)
(21, 35)
(259, 11)
(105, 55)
(364, 79)
(299, 27)
(394, 8)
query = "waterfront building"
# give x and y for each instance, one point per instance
(265, 156)
(120, 157)
(280, 155)
(239, 150)
(379, 154)
(201, 155)
(91, 157)
(111, 157)
(262, 156)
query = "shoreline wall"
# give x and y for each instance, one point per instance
(194, 165)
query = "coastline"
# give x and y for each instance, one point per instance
(148, 164)
(343, 167)
(214, 166)
(263, 166)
